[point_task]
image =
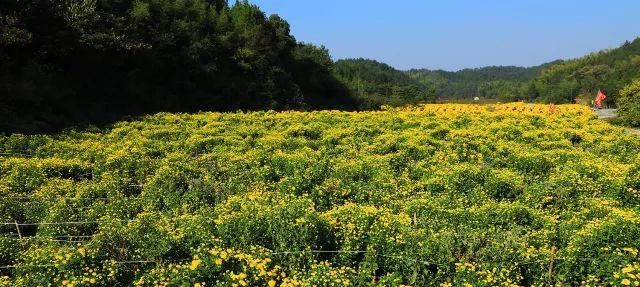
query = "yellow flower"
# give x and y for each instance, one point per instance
(218, 261)
(82, 251)
(195, 264)
(627, 269)
(271, 283)
(625, 282)
(223, 254)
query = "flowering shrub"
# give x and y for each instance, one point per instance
(216, 267)
(469, 274)
(629, 107)
(432, 195)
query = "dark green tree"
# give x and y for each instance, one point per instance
(376, 84)
(68, 63)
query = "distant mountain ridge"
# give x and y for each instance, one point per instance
(559, 81)
(466, 83)
(379, 83)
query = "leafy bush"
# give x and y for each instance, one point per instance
(433, 195)
(629, 104)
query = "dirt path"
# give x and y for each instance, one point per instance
(606, 113)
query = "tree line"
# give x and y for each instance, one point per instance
(502, 82)
(608, 70)
(560, 81)
(68, 63)
(74, 63)
(375, 84)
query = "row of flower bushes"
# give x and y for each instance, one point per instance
(435, 195)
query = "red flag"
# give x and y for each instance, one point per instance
(599, 98)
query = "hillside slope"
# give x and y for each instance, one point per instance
(64, 64)
(377, 83)
(559, 81)
(609, 70)
(489, 82)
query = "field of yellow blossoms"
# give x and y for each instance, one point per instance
(435, 195)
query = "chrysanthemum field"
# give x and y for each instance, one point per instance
(434, 195)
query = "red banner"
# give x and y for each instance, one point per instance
(599, 98)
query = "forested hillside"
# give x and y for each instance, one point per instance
(73, 63)
(558, 81)
(609, 70)
(376, 83)
(503, 82)
(67, 63)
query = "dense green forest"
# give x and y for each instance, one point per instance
(609, 70)
(503, 82)
(375, 83)
(69, 63)
(73, 63)
(560, 81)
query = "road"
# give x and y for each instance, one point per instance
(606, 113)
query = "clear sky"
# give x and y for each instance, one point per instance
(456, 34)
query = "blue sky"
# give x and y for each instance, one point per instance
(456, 34)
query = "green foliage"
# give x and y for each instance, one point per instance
(436, 195)
(608, 70)
(378, 84)
(70, 63)
(278, 223)
(494, 82)
(557, 81)
(629, 104)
